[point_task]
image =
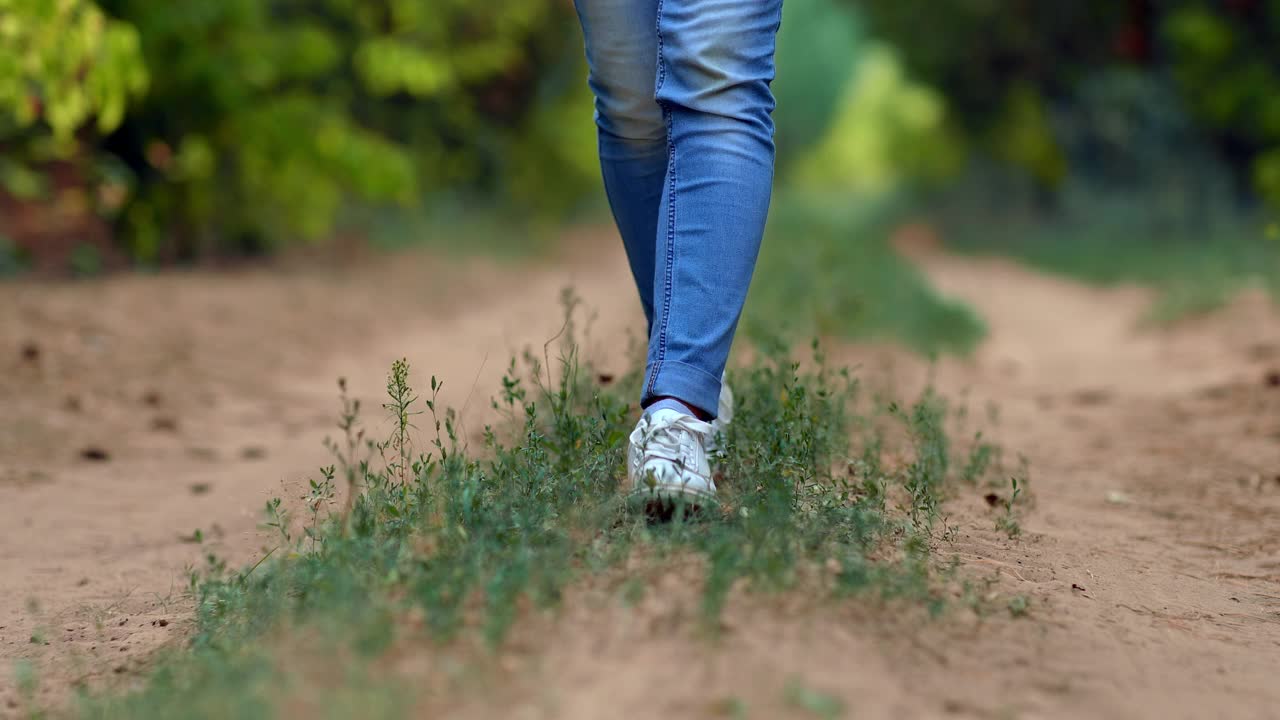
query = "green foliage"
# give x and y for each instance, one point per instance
(1019, 606)
(885, 130)
(820, 44)
(1015, 75)
(826, 269)
(1225, 63)
(467, 543)
(233, 158)
(999, 65)
(1024, 138)
(1007, 522)
(63, 64)
(237, 125)
(261, 120)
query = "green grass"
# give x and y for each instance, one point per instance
(459, 226)
(1195, 261)
(452, 543)
(826, 269)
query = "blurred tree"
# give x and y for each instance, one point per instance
(1225, 58)
(67, 74)
(1011, 69)
(849, 120)
(262, 117)
(62, 64)
(819, 46)
(886, 130)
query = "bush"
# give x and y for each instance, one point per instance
(1010, 70)
(62, 64)
(232, 126)
(262, 118)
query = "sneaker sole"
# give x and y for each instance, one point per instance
(672, 501)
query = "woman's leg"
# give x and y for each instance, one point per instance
(622, 52)
(715, 63)
(684, 113)
(683, 108)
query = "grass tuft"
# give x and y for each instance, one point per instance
(450, 542)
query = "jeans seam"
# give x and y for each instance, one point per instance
(662, 68)
(667, 276)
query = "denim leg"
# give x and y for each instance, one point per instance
(715, 65)
(622, 53)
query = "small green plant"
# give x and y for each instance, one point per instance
(319, 496)
(27, 680)
(277, 519)
(1019, 605)
(926, 473)
(983, 456)
(1007, 522)
(815, 702)
(400, 404)
(353, 454)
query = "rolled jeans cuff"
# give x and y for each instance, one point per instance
(685, 383)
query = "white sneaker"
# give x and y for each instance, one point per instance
(720, 426)
(667, 460)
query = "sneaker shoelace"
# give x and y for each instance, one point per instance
(668, 440)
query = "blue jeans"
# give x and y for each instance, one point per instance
(684, 112)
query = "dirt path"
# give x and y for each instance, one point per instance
(1151, 555)
(139, 410)
(1150, 558)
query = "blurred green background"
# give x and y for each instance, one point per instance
(150, 132)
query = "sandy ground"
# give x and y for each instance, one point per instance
(140, 409)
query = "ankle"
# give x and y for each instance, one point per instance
(671, 403)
